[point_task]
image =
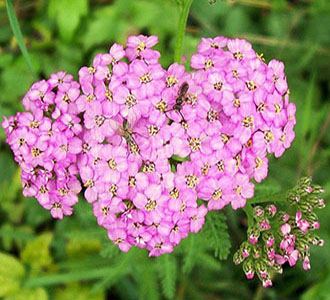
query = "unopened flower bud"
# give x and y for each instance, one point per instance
(306, 207)
(253, 234)
(309, 189)
(271, 210)
(267, 283)
(306, 263)
(304, 181)
(318, 189)
(237, 258)
(261, 269)
(320, 203)
(293, 197)
(256, 251)
(264, 225)
(248, 268)
(258, 212)
(271, 254)
(283, 217)
(245, 249)
(315, 240)
(316, 225)
(278, 268)
(268, 239)
(312, 218)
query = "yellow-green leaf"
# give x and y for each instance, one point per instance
(11, 273)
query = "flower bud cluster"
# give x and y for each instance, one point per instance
(126, 120)
(45, 142)
(279, 237)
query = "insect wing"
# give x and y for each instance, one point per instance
(116, 127)
(183, 90)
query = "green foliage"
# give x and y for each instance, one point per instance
(167, 271)
(29, 294)
(216, 234)
(41, 259)
(67, 15)
(18, 34)
(78, 292)
(11, 274)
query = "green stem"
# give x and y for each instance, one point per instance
(277, 197)
(56, 279)
(249, 213)
(248, 209)
(181, 30)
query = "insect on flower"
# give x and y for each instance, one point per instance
(180, 100)
(125, 130)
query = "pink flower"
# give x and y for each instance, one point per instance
(243, 189)
(118, 236)
(241, 49)
(302, 224)
(197, 218)
(140, 47)
(61, 80)
(209, 46)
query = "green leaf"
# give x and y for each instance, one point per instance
(37, 252)
(77, 291)
(180, 159)
(118, 270)
(15, 81)
(29, 294)
(105, 26)
(109, 250)
(266, 188)
(167, 274)
(11, 273)
(68, 15)
(56, 279)
(190, 255)
(217, 235)
(319, 290)
(18, 34)
(145, 275)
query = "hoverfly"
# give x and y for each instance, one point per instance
(180, 99)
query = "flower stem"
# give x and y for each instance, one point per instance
(277, 197)
(249, 213)
(185, 7)
(248, 209)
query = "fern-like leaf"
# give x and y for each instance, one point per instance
(167, 269)
(217, 235)
(190, 254)
(145, 275)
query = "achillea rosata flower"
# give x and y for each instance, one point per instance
(148, 142)
(46, 142)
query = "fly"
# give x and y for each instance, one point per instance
(126, 132)
(180, 99)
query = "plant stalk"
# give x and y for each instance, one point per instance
(181, 30)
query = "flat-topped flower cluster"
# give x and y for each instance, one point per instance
(154, 148)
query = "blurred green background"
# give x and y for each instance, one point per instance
(72, 259)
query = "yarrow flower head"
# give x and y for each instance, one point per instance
(156, 149)
(45, 142)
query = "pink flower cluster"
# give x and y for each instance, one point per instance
(138, 121)
(273, 242)
(46, 145)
